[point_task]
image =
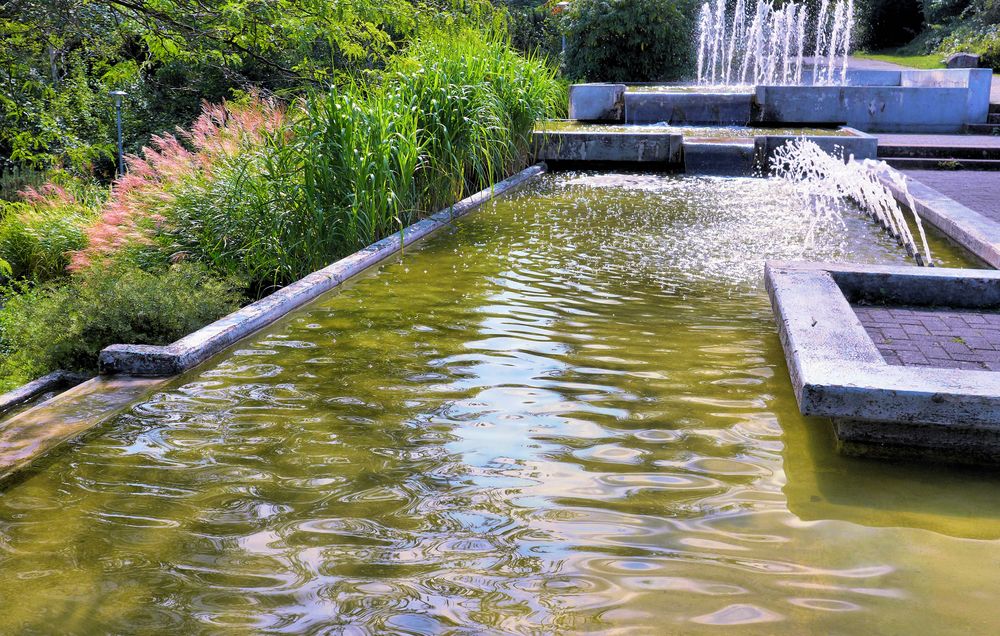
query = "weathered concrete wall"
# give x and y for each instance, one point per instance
(872, 109)
(977, 81)
(860, 145)
(688, 108)
(597, 102)
(722, 159)
(837, 371)
(608, 147)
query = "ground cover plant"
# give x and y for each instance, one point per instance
(259, 191)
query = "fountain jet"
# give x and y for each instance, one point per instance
(773, 50)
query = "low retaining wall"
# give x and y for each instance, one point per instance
(608, 147)
(719, 159)
(858, 144)
(597, 102)
(870, 108)
(688, 108)
(55, 381)
(838, 372)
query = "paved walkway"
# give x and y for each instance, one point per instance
(942, 338)
(958, 141)
(978, 190)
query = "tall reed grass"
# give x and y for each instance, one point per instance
(349, 166)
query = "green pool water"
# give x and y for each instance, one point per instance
(568, 414)
(722, 133)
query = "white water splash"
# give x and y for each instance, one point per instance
(829, 186)
(773, 50)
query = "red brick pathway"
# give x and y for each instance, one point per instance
(943, 338)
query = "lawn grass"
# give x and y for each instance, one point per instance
(934, 60)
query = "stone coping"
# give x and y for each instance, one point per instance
(976, 232)
(150, 360)
(25, 393)
(27, 436)
(837, 371)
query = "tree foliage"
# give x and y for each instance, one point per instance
(59, 59)
(629, 40)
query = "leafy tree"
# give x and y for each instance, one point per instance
(629, 40)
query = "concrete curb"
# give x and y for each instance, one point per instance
(970, 229)
(837, 371)
(27, 392)
(584, 147)
(156, 361)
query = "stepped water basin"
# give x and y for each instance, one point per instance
(569, 412)
(711, 133)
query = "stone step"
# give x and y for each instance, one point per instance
(910, 163)
(983, 129)
(886, 151)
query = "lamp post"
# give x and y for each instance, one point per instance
(118, 95)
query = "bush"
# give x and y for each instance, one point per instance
(38, 234)
(630, 40)
(535, 30)
(65, 326)
(884, 24)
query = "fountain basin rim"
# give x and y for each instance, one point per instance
(837, 371)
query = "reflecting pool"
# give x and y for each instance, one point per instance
(568, 413)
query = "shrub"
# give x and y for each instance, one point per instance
(38, 233)
(630, 40)
(64, 326)
(886, 24)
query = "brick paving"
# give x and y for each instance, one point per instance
(942, 338)
(975, 189)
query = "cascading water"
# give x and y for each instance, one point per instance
(773, 49)
(829, 185)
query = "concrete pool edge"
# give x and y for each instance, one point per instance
(971, 230)
(175, 358)
(837, 372)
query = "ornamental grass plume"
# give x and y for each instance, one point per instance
(140, 197)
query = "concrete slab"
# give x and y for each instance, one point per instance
(596, 102)
(688, 108)
(558, 147)
(838, 372)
